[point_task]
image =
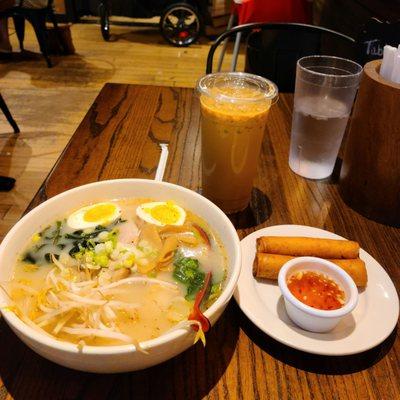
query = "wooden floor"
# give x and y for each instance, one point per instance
(48, 104)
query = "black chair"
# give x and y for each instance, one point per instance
(37, 18)
(273, 49)
(6, 111)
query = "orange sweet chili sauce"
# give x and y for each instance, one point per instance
(316, 290)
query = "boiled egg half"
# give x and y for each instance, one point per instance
(94, 215)
(161, 213)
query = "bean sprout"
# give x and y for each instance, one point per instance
(87, 332)
(77, 301)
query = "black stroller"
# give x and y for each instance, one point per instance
(181, 21)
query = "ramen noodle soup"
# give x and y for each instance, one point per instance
(119, 272)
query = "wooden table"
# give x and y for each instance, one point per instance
(120, 137)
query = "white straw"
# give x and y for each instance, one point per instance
(162, 163)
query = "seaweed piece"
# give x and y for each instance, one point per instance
(28, 258)
(42, 232)
(39, 246)
(76, 249)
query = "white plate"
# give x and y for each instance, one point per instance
(369, 324)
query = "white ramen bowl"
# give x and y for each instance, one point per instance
(110, 359)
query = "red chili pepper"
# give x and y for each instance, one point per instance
(196, 313)
(203, 234)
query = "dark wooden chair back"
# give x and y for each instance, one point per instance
(273, 49)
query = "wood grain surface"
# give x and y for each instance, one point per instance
(374, 133)
(49, 103)
(119, 137)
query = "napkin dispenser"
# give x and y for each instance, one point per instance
(370, 174)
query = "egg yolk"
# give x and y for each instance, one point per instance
(166, 214)
(99, 212)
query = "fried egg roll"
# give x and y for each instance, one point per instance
(267, 266)
(304, 246)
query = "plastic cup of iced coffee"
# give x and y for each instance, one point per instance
(234, 109)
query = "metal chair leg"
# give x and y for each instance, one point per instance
(236, 51)
(39, 25)
(6, 111)
(19, 24)
(225, 42)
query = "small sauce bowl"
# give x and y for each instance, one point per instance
(310, 318)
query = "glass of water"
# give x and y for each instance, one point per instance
(324, 95)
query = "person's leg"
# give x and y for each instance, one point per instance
(5, 45)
